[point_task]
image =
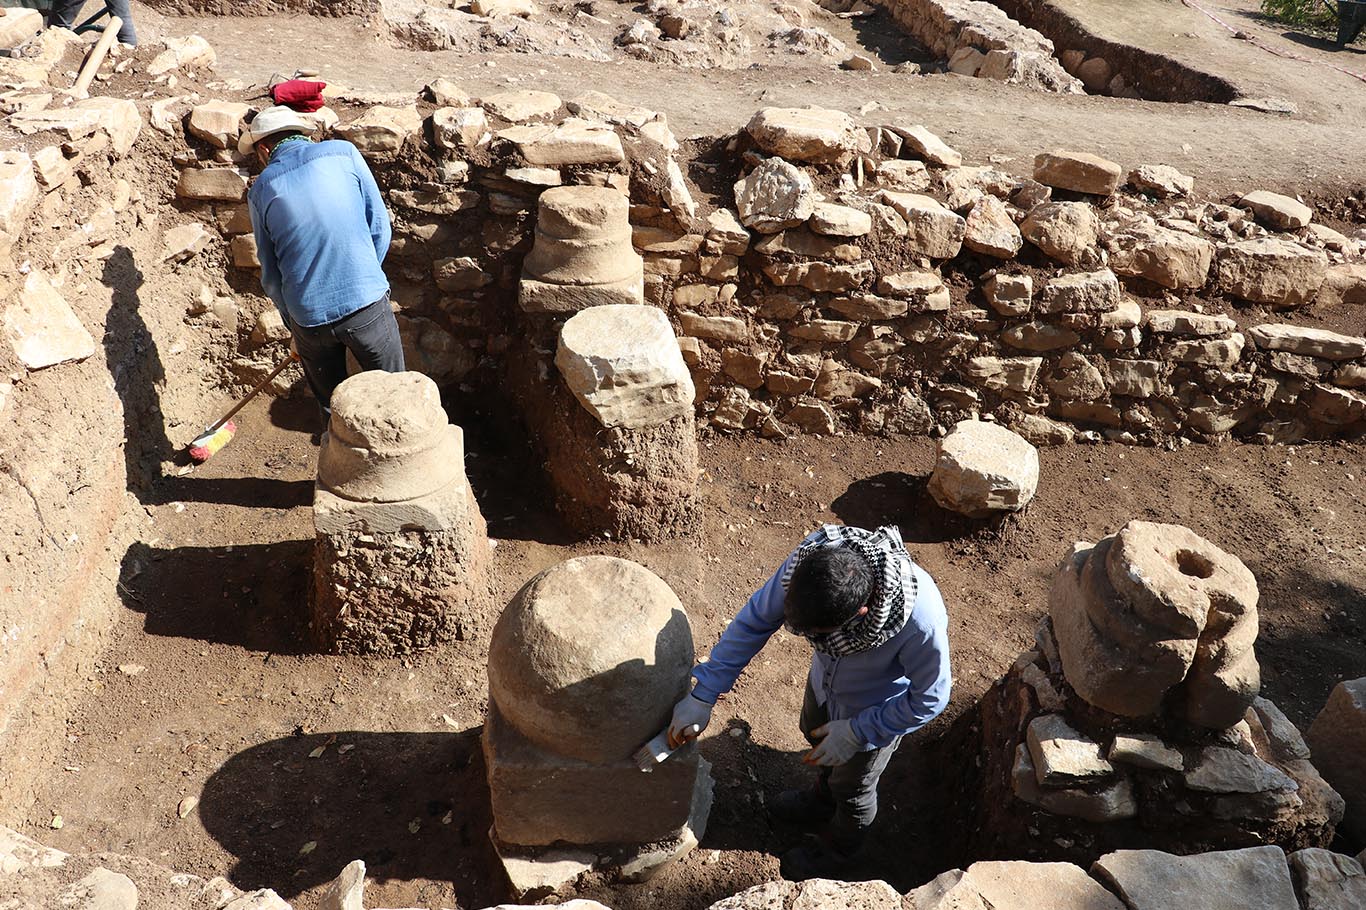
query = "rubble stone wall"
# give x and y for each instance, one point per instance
(865, 280)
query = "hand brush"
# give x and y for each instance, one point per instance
(657, 750)
(219, 433)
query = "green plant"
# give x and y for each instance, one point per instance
(1302, 12)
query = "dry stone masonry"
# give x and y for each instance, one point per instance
(1137, 720)
(585, 666)
(401, 553)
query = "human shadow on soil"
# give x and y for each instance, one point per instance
(253, 596)
(904, 500)
(411, 805)
(134, 363)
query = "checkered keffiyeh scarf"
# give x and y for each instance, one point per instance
(894, 588)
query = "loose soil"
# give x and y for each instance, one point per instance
(303, 762)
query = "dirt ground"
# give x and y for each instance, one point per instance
(207, 690)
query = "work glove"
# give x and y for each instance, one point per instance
(838, 743)
(690, 711)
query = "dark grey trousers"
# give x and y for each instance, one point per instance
(852, 786)
(371, 333)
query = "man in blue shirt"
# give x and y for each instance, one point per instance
(880, 670)
(321, 233)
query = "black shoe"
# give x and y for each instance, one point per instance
(801, 807)
(815, 857)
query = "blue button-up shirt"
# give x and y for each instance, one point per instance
(321, 231)
(888, 691)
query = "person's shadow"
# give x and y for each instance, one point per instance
(135, 365)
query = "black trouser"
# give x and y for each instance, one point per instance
(852, 786)
(371, 333)
(65, 12)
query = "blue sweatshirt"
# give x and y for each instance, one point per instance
(321, 232)
(888, 691)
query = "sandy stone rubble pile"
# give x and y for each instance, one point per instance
(1137, 721)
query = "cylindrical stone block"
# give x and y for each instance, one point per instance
(401, 549)
(582, 255)
(589, 658)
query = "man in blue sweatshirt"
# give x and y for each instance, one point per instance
(880, 670)
(321, 233)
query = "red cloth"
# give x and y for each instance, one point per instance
(299, 94)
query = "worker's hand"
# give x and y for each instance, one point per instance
(838, 743)
(293, 350)
(690, 711)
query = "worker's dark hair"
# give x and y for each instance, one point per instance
(827, 588)
(275, 139)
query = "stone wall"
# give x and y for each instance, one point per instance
(826, 277)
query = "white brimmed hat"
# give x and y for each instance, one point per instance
(272, 120)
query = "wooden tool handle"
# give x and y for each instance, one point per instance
(92, 64)
(279, 368)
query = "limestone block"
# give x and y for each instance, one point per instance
(582, 254)
(1015, 885)
(19, 25)
(1161, 180)
(1081, 292)
(17, 851)
(824, 893)
(380, 132)
(117, 117)
(1062, 755)
(592, 105)
(1337, 407)
(624, 365)
(1276, 211)
(1328, 881)
(191, 52)
(927, 146)
(1182, 322)
(212, 184)
(572, 142)
(983, 469)
(1211, 352)
(101, 889)
(218, 123)
(715, 328)
(522, 105)
(1171, 259)
(19, 195)
(991, 231)
(1009, 295)
(51, 167)
(934, 231)
(812, 416)
(904, 176)
(1066, 231)
(589, 658)
(826, 331)
(725, 230)
(774, 196)
(1269, 270)
(1112, 803)
(840, 220)
(1080, 172)
(1138, 378)
(347, 890)
(1224, 880)
(1013, 374)
(1039, 336)
(813, 135)
(1144, 750)
(1220, 769)
(41, 327)
(243, 248)
(493, 9)
(1283, 736)
(819, 276)
(1307, 341)
(801, 242)
(460, 128)
(1338, 739)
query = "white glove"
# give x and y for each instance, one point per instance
(838, 743)
(690, 711)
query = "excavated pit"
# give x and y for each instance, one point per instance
(197, 677)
